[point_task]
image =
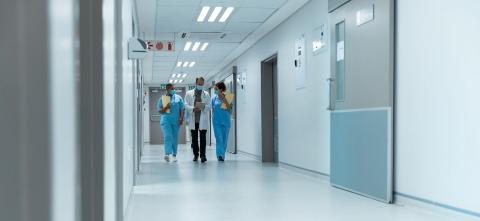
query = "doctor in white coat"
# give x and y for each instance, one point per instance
(199, 118)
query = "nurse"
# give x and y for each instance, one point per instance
(171, 119)
(221, 119)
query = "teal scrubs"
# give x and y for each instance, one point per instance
(170, 125)
(221, 125)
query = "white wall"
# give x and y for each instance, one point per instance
(437, 134)
(109, 73)
(304, 137)
(63, 94)
(129, 105)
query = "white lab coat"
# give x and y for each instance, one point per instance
(204, 116)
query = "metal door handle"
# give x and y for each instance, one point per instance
(331, 103)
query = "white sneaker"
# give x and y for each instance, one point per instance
(166, 158)
(173, 159)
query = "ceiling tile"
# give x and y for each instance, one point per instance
(251, 15)
(222, 3)
(166, 26)
(176, 14)
(262, 3)
(179, 2)
(234, 37)
(167, 19)
(242, 27)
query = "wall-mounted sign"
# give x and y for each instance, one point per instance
(365, 15)
(160, 45)
(300, 62)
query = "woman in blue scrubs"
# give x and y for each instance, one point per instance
(221, 119)
(170, 122)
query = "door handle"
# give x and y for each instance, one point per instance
(331, 103)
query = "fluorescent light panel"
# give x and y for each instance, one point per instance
(195, 46)
(184, 75)
(170, 81)
(187, 46)
(204, 46)
(203, 14)
(226, 14)
(185, 64)
(180, 81)
(179, 64)
(215, 14)
(175, 81)
(173, 75)
(192, 64)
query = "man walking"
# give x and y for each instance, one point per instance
(197, 104)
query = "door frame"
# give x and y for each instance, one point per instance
(269, 83)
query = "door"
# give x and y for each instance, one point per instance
(269, 110)
(361, 101)
(156, 135)
(230, 82)
(275, 110)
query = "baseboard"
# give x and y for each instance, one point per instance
(304, 171)
(249, 155)
(409, 200)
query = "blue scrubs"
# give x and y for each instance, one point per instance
(170, 125)
(221, 125)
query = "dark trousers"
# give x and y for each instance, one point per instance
(203, 141)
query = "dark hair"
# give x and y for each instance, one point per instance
(168, 86)
(221, 86)
(199, 78)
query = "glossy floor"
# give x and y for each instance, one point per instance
(242, 189)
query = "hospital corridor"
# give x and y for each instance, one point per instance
(239, 110)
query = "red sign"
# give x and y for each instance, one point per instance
(161, 45)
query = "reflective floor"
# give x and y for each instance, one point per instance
(242, 189)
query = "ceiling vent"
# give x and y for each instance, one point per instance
(202, 36)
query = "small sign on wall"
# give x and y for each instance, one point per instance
(300, 63)
(365, 15)
(160, 45)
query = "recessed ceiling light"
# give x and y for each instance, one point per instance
(187, 46)
(215, 14)
(180, 81)
(173, 75)
(195, 46)
(203, 14)
(204, 46)
(184, 75)
(170, 81)
(185, 64)
(175, 81)
(226, 14)
(179, 64)
(192, 64)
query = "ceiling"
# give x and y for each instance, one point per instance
(169, 19)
